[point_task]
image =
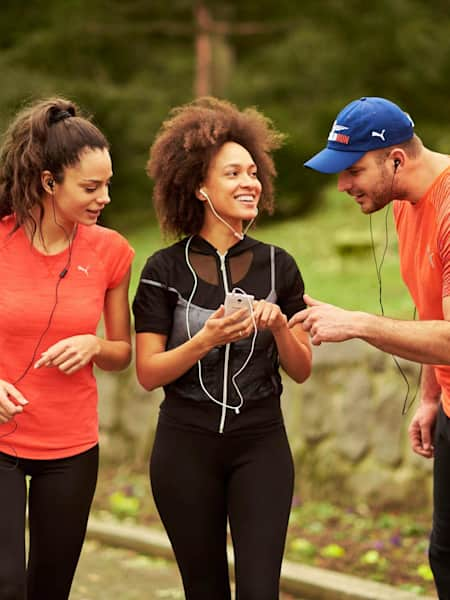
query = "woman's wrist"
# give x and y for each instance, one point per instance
(280, 329)
(201, 343)
(97, 345)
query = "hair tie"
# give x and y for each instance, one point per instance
(59, 115)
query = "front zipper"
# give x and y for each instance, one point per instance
(223, 270)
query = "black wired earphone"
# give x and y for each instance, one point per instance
(378, 267)
(61, 276)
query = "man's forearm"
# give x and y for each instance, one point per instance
(430, 390)
(420, 341)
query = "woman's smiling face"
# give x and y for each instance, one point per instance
(232, 184)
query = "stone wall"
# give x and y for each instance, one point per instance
(345, 424)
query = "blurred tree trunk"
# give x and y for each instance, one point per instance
(202, 85)
(214, 54)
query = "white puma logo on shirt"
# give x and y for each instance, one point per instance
(84, 270)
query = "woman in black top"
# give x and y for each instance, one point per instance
(220, 452)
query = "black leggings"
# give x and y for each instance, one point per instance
(199, 480)
(60, 496)
(440, 536)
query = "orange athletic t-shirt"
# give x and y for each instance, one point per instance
(424, 246)
(61, 417)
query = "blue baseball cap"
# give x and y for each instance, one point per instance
(363, 125)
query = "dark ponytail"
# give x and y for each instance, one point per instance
(47, 135)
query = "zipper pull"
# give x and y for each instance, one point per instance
(224, 270)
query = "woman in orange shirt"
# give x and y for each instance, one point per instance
(60, 272)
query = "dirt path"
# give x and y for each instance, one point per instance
(106, 573)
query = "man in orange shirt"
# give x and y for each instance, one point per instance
(379, 159)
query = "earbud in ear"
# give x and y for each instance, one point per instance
(51, 184)
(396, 164)
(203, 193)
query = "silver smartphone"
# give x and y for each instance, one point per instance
(235, 301)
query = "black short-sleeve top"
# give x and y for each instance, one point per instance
(180, 287)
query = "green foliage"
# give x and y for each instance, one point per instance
(302, 548)
(425, 572)
(303, 79)
(129, 62)
(372, 557)
(123, 505)
(388, 546)
(332, 551)
(315, 527)
(412, 529)
(385, 521)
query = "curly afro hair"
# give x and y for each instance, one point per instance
(184, 147)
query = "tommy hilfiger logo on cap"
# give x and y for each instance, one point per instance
(367, 124)
(336, 134)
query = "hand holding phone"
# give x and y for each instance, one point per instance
(235, 301)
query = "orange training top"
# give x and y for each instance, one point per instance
(424, 245)
(61, 417)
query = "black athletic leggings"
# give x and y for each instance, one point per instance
(440, 536)
(199, 480)
(60, 496)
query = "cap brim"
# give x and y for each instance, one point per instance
(333, 161)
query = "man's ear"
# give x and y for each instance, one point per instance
(398, 157)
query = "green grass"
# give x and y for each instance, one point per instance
(334, 271)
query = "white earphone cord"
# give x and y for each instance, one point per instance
(199, 363)
(237, 234)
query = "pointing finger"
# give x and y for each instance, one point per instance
(298, 317)
(311, 301)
